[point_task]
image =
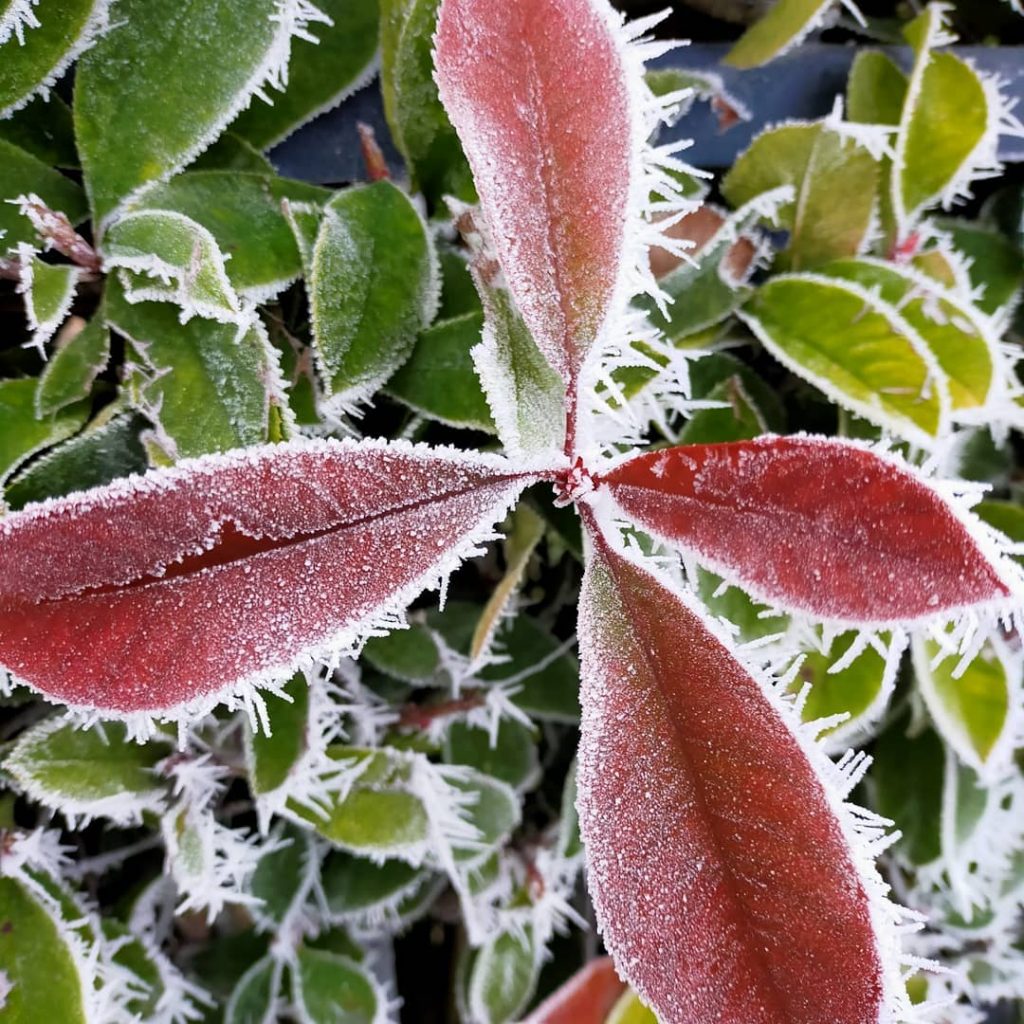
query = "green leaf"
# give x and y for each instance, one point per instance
(31, 65)
(378, 816)
(418, 122)
(253, 1000)
(965, 801)
(23, 174)
(629, 1010)
(569, 844)
(1005, 517)
(373, 288)
(320, 74)
(869, 360)
(36, 961)
(906, 777)
(861, 690)
(820, 164)
(547, 674)
(271, 758)
(44, 128)
(524, 530)
(439, 379)
(186, 83)
(71, 370)
(494, 811)
(279, 875)
(702, 293)
(503, 977)
(332, 989)
(945, 123)
(952, 330)
(133, 956)
(381, 816)
(525, 395)
(876, 89)
(971, 710)
(876, 92)
(232, 153)
(103, 452)
(751, 407)
(785, 25)
(359, 889)
(171, 258)
(242, 211)
(49, 290)
(739, 608)
(21, 434)
(205, 387)
(458, 292)
(97, 770)
(996, 263)
(407, 654)
(512, 757)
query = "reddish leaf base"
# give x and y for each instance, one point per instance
(812, 524)
(725, 887)
(586, 998)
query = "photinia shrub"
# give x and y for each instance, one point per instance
(220, 531)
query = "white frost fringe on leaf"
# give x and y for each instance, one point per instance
(315, 780)
(291, 18)
(19, 16)
(97, 23)
(210, 862)
(42, 329)
(655, 203)
(107, 988)
(983, 161)
(866, 834)
(179, 284)
(125, 808)
(618, 420)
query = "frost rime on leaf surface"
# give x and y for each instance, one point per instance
(712, 823)
(512, 78)
(821, 526)
(254, 545)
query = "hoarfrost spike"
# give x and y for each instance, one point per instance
(186, 586)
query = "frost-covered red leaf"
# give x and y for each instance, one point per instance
(814, 524)
(164, 589)
(729, 879)
(539, 94)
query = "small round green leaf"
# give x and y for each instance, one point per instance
(373, 288)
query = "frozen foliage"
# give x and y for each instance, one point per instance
(18, 16)
(231, 594)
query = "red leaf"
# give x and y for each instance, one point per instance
(586, 998)
(539, 94)
(160, 589)
(812, 524)
(723, 873)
